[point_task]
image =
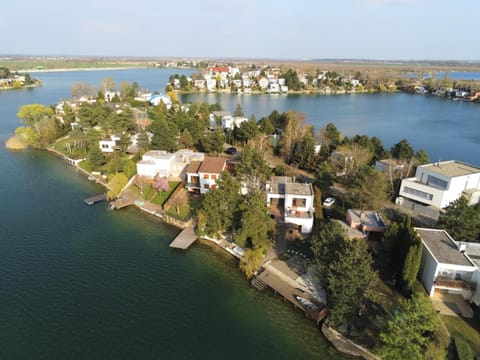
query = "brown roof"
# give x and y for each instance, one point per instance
(193, 167)
(212, 165)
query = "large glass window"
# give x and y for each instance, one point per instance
(418, 193)
(436, 182)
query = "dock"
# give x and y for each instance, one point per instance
(183, 240)
(95, 199)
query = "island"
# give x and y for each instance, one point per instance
(15, 80)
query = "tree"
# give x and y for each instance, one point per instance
(329, 135)
(361, 155)
(140, 182)
(304, 155)
(402, 150)
(253, 169)
(33, 113)
(219, 206)
(186, 139)
(83, 90)
(324, 176)
(129, 168)
(461, 221)
(293, 131)
(107, 84)
(251, 261)
(256, 223)
(213, 141)
(325, 242)
(348, 277)
(164, 135)
(422, 157)
(126, 91)
(247, 130)
(409, 331)
(143, 142)
(238, 110)
(124, 141)
(412, 262)
(95, 157)
(369, 189)
(160, 184)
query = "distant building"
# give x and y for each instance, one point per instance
(166, 164)
(110, 144)
(158, 99)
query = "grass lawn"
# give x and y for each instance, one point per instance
(152, 195)
(60, 147)
(466, 329)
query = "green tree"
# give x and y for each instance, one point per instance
(369, 189)
(461, 221)
(251, 261)
(129, 168)
(422, 157)
(247, 130)
(409, 331)
(253, 169)
(325, 243)
(238, 110)
(256, 224)
(213, 141)
(348, 277)
(186, 139)
(95, 157)
(412, 261)
(324, 176)
(402, 150)
(143, 142)
(33, 113)
(219, 206)
(330, 136)
(164, 135)
(304, 155)
(124, 141)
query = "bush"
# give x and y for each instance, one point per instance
(464, 351)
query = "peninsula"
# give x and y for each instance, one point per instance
(261, 188)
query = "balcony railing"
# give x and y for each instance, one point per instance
(452, 284)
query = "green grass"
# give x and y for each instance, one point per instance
(467, 330)
(184, 212)
(152, 195)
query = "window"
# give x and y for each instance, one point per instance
(205, 176)
(206, 186)
(214, 177)
(299, 202)
(418, 193)
(436, 182)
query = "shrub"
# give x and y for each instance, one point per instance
(464, 351)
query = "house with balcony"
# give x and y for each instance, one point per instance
(292, 201)
(438, 184)
(449, 266)
(203, 175)
(165, 164)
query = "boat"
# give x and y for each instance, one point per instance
(307, 303)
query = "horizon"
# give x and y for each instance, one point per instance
(382, 30)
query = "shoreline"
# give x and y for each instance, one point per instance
(81, 69)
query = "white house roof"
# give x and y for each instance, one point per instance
(443, 247)
(452, 168)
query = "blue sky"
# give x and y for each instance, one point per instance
(295, 29)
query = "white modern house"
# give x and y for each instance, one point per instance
(230, 122)
(449, 266)
(293, 200)
(155, 162)
(158, 99)
(109, 144)
(439, 184)
(203, 175)
(166, 164)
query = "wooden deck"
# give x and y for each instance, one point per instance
(183, 240)
(95, 199)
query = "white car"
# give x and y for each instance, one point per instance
(329, 201)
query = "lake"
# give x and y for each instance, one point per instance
(80, 282)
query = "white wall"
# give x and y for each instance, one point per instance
(429, 266)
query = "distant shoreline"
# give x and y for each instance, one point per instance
(80, 69)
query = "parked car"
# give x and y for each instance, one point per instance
(231, 151)
(329, 201)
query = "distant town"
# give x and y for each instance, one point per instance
(373, 244)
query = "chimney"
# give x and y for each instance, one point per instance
(462, 247)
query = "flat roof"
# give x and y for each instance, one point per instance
(442, 247)
(452, 168)
(302, 189)
(367, 218)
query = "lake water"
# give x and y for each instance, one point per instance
(80, 282)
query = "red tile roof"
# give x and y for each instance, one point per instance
(212, 165)
(193, 167)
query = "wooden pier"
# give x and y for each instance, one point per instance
(95, 199)
(186, 238)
